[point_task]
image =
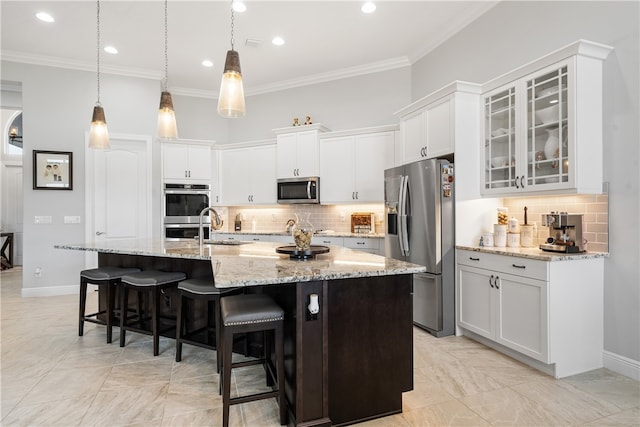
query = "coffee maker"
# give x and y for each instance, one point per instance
(565, 233)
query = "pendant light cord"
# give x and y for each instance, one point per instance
(166, 56)
(232, 18)
(98, 49)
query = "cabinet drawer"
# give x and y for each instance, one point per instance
(325, 240)
(356, 243)
(525, 267)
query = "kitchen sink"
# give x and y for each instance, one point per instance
(225, 242)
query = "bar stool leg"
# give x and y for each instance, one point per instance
(155, 319)
(83, 304)
(179, 328)
(109, 314)
(280, 373)
(124, 303)
(226, 376)
(216, 314)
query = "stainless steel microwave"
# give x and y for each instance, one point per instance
(299, 190)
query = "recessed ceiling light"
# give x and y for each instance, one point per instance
(45, 17)
(110, 49)
(207, 63)
(239, 6)
(278, 41)
(368, 7)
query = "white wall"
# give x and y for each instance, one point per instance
(514, 33)
(57, 106)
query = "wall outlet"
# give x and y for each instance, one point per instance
(72, 219)
(38, 272)
(42, 219)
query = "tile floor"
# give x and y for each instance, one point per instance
(52, 377)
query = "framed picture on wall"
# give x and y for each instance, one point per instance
(52, 170)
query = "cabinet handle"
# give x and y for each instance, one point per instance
(522, 181)
(496, 282)
(359, 243)
(491, 281)
(189, 174)
(217, 199)
(326, 241)
(356, 195)
(517, 182)
(519, 266)
(185, 174)
(474, 259)
(249, 198)
(353, 195)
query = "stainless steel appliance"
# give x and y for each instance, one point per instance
(182, 204)
(299, 190)
(419, 204)
(565, 233)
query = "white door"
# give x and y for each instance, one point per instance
(118, 198)
(12, 221)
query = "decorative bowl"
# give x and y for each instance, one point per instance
(548, 115)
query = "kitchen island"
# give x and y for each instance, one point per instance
(350, 362)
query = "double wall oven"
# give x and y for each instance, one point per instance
(182, 204)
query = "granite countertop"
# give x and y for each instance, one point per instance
(257, 263)
(284, 233)
(534, 253)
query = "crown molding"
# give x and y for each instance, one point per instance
(374, 67)
(50, 61)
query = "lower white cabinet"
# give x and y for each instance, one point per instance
(365, 244)
(548, 311)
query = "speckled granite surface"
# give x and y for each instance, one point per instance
(282, 233)
(535, 253)
(257, 263)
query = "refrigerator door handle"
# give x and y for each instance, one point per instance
(403, 233)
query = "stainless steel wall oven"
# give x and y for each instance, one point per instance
(182, 204)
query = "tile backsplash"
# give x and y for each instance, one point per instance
(595, 209)
(334, 217)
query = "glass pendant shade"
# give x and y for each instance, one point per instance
(99, 134)
(167, 127)
(231, 98)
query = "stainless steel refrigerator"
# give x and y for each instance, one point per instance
(419, 205)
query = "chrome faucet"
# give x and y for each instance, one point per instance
(216, 223)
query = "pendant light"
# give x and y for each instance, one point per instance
(231, 97)
(98, 134)
(167, 127)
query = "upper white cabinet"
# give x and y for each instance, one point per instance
(430, 126)
(248, 175)
(298, 150)
(186, 161)
(352, 165)
(542, 125)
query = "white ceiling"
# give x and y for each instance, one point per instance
(323, 39)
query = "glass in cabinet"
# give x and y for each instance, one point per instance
(500, 139)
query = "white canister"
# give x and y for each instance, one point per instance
(500, 235)
(487, 239)
(514, 226)
(513, 240)
(526, 236)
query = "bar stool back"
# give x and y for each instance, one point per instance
(108, 278)
(202, 289)
(151, 281)
(252, 313)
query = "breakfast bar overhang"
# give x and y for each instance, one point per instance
(348, 363)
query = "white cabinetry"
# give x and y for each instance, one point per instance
(542, 125)
(297, 150)
(248, 175)
(536, 308)
(365, 244)
(352, 165)
(186, 162)
(430, 126)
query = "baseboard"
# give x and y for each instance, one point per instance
(50, 291)
(622, 365)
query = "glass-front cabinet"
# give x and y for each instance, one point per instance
(542, 129)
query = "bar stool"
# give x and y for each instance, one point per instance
(151, 281)
(200, 289)
(109, 278)
(252, 313)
